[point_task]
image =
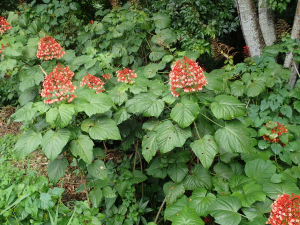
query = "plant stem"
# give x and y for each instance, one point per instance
(198, 135)
(160, 210)
(136, 150)
(211, 120)
(142, 172)
(105, 151)
(84, 184)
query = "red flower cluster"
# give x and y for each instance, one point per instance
(186, 74)
(107, 76)
(58, 85)
(48, 49)
(4, 25)
(126, 75)
(2, 49)
(93, 83)
(285, 210)
(246, 51)
(279, 130)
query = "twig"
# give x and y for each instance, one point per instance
(296, 69)
(43, 70)
(160, 210)
(248, 103)
(136, 150)
(105, 151)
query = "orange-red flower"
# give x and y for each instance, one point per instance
(279, 130)
(106, 76)
(126, 75)
(58, 85)
(186, 75)
(48, 49)
(4, 25)
(285, 210)
(93, 83)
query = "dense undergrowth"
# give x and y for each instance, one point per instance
(154, 138)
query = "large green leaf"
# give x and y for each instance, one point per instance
(201, 201)
(157, 169)
(26, 113)
(256, 87)
(102, 129)
(98, 169)
(138, 177)
(188, 216)
(237, 182)
(224, 210)
(54, 142)
(170, 136)
(286, 187)
(205, 149)
(121, 115)
(252, 193)
(237, 88)
(145, 103)
(234, 137)
(108, 192)
(227, 107)
(83, 147)
(27, 143)
(117, 97)
(173, 192)
(161, 20)
(149, 146)
(215, 80)
(57, 169)
(62, 116)
(173, 210)
(185, 113)
(177, 172)
(199, 177)
(258, 209)
(259, 170)
(95, 197)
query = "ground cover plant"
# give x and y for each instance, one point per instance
(152, 136)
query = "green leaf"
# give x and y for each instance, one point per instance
(252, 193)
(46, 201)
(57, 169)
(227, 107)
(177, 172)
(259, 170)
(83, 147)
(173, 210)
(215, 80)
(187, 216)
(95, 197)
(102, 129)
(256, 87)
(28, 95)
(237, 88)
(121, 115)
(223, 171)
(237, 182)
(27, 143)
(258, 221)
(185, 113)
(201, 201)
(26, 113)
(234, 137)
(258, 209)
(161, 20)
(170, 136)
(108, 192)
(145, 103)
(173, 192)
(286, 187)
(157, 170)
(118, 97)
(155, 56)
(205, 149)
(98, 169)
(199, 177)
(122, 188)
(287, 110)
(138, 177)
(149, 146)
(54, 142)
(224, 210)
(64, 116)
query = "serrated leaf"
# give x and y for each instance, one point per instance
(256, 87)
(173, 192)
(26, 113)
(54, 142)
(172, 211)
(185, 113)
(46, 201)
(121, 115)
(170, 136)
(258, 209)
(252, 193)
(108, 192)
(259, 170)
(138, 177)
(237, 182)
(273, 190)
(215, 80)
(57, 169)
(205, 149)
(83, 147)
(177, 171)
(224, 210)
(187, 216)
(199, 177)
(27, 143)
(102, 129)
(98, 169)
(95, 196)
(234, 137)
(227, 107)
(237, 88)
(149, 146)
(64, 116)
(157, 170)
(161, 20)
(201, 201)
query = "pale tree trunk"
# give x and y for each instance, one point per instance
(267, 22)
(250, 26)
(289, 62)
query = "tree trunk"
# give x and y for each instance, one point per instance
(250, 26)
(267, 22)
(289, 62)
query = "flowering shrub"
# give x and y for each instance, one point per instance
(186, 74)
(277, 130)
(107, 76)
(126, 75)
(58, 85)
(48, 49)
(93, 83)
(4, 25)
(285, 210)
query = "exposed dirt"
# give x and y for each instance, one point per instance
(11, 127)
